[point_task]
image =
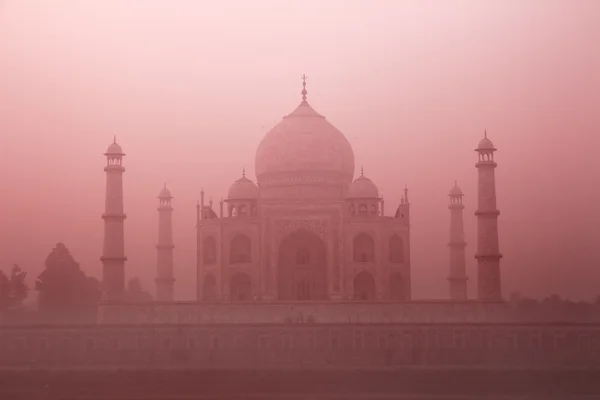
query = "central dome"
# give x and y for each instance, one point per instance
(304, 149)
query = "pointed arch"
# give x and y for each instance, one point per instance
(363, 209)
(302, 256)
(242, 211)
(302, 269)
(363, 248)
(364, 287)
(240, 287)
(209, 250)
(396, 249)
(209, 288)
(240, 249)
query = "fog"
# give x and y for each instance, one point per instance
(190, 88)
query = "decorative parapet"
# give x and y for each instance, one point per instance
(332, 313)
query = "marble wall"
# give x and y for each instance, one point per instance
(300, 345)
(336, 313)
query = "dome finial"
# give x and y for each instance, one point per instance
(362, 171)
(243, 172)
(304, 92)
(115, 138)
(485, 133)
(455, 183)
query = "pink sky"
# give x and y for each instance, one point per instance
(187, 85)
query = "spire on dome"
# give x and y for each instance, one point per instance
(455, 191)
(304, 92)
(362, 171)
(243, 172)
(114, 149)
(485, 145)
(165, 193)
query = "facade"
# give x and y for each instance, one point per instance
(306, 230)
(303, 270)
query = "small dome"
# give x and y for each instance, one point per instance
(363, 188)
(243, 189)
(485, 144)
(165, 193)
(114, 148)
(455, 191)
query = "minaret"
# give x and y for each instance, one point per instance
(164, 248)
(113, 254)
(488, 253)
(457, 244)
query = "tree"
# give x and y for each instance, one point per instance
(136, 292)
(92, 293)
(13, 289)
(63, 287)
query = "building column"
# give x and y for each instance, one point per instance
(458, 273)
(113, 254)
(488, 252)
(164, 249)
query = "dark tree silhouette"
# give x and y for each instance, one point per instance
(136, 292)
(64, 289)
(13, 289)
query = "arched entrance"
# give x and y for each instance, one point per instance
(240, 287)
(302, 269)
(364, 248)
(209, 249)
(364, 287)
(240, 250)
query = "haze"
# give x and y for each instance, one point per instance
(190, 88)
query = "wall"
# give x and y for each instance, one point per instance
(339, 313)
(255, 346)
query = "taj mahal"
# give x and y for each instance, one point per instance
(303, 270)
(306, 230)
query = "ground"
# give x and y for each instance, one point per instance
(408, 384)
